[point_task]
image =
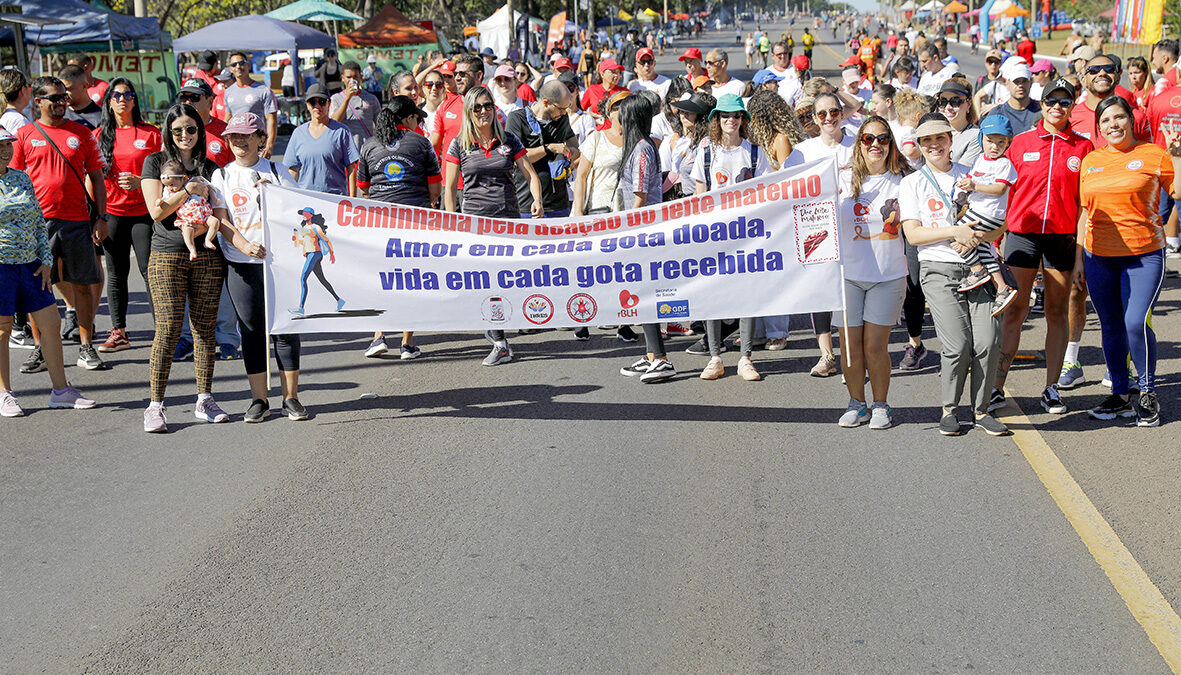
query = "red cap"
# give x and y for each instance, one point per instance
(448, 68)
(800, 62)
(609, 64)
(853, 60)
(563, 62)
(690, 53)
(644, 52)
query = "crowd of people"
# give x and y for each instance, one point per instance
(962, 199)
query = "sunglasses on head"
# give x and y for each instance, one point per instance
(482, 107)
(1060, 101)
(177, 132)
(123, 95)
(881, 139)
(822, 115)
(56, 98)
(1108, 68)
(953, 101)
(317, 102)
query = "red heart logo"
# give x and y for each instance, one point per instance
(860, 209)
(627, 300)
(934, 204)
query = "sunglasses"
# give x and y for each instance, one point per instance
(1108, 68)
(521, 73)
(1060, 101)
(993, 62)
(804, 117)
(123, 95)
(317, 102)
(177, 132)
(573, 88)
(56, 98)
(714, 63)
(778, 54)
(483, 107)
(448, 77)
(433, 85)
(834, 113)
(236, 64)
(645, 62)
(953, 101)
(731, 115)
(184, 98)
(881, 139)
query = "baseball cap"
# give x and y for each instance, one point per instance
(563, 62)
(317, 90)
(1060, 84)
(448, 68)
(764, 76)
(505, 71)
(1015, 68)
(996, 124)
(936, 124)
(800, 62)
(1085, 52)
(225, 74)
(247, 123)
(995, 54)
(644, 52)
(691, 53)
(6, 135)
(609, 64)
(1042, 66)
(700, 80)
(853, 60)
(195, 85)
(569, 78)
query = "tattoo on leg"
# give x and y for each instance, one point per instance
(1003, 363)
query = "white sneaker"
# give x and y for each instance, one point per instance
(376, 348)
(855, 415)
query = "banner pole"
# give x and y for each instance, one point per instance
(266, 285)
(845, 318)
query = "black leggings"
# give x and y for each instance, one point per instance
(914, 307)
(654, 341)
(125, 233)
(244, 282)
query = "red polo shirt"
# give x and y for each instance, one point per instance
(1045, 200)
(1082, 121)
(596, 93)
(1165, 107)
(448, 121)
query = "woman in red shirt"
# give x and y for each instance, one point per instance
(125, 141)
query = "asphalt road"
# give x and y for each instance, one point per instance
(550, 515)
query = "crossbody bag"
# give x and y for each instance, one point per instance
(91, 205)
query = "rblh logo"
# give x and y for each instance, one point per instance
(627, 303)
(860, 209)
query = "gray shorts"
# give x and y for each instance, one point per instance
(74, 257)
(876, 302)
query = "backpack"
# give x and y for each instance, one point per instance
(707, 162)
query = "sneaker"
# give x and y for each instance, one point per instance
(996, 400)
(1133, 381)
(827, 365)
(1147, 410)
(116, 342)
(339, 305)
(1172, 252)
(69, 398)
(70, 331)
(376, 348)
(776, 344)
(294, 409)
(714, 369)
(661, 369)
(184, 350)
(950, 425)
(881, 416)
(21, 339)
(992, 426)
(636, 369)
(701, 348)
(1003, 299)
(1071, 375)
(855, 414)
(154, 420)
(1037, 300)
(678, 329)
(207, 410)
(1052, 400)
(498, 355)
(35, 363)
(913, 357)
(582, 334)
(410, 352)
(258, 410)
(227, 352)
(296, 311)
(88, 358)
(8, 405)
(974, 280)
(626, 334)
(1112, 407)
(747, 371)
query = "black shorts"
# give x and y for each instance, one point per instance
(1031, 251)
(74, 257)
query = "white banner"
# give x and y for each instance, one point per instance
(767, 246)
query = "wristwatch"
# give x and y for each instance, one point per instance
(102, 217)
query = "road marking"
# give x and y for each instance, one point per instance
(1144, 600)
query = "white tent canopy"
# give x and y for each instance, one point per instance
(908, 6)
(999, 6)
(932, 6)
(495, 31)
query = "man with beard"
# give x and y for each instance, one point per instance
(1100, 76)
(469, 72)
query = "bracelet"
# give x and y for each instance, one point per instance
(186, 189)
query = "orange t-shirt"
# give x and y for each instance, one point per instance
(1121, 192)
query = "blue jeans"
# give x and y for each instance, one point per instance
(226, 332)
(1123, 290)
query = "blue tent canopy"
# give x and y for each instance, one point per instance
(610, 22)
(253, 33)
(81, 22)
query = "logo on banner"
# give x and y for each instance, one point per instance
(538, 309)
(496, 309)
(627, 304)
(672, 309)
(393, 170)
(582, 307)
(73, 141)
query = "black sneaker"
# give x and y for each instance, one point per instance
(701, 348)
(950, 425)
(88, 358)
(21, 339)
(992, 426)
(1052, 400)
(913, 358)
(1147, 410)
(582, 333)
(661, 370)
(1037, 300)
(294, 409)
(184, 349)
(1112, 407)
(70, 331)
(996, 400)
(626, 334)
(35, 363)
(636, 369)
(257, 411)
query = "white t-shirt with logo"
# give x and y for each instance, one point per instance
(990, 172)
(733, 86)
(659, 85)
(814, 149)
(919, 200)
(789, 86)
(871, 229)
(234, 190)
(728, 166)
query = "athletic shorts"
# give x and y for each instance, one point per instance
(876, 302)
(20, 289)
(1031, 251)
(73, 251)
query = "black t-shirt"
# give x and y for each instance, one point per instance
(629, 55)
(400, 173)
(488, 188)
(90, 117)
(553, 192)
(166, 235)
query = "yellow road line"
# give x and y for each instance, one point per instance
(1144, 600)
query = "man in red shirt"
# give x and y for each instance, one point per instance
(58, 155)
(1100, 77)
(196, 92)
(95, 88)
(1026, 49)
(610, 72)
(469, 72)
(217, 80)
